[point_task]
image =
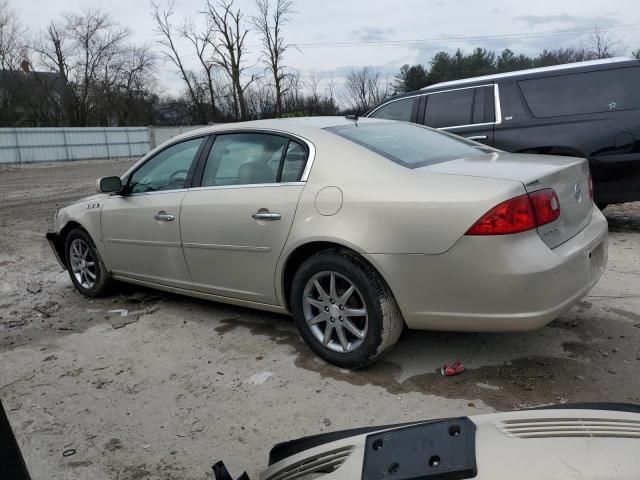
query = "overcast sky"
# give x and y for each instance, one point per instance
(335, 36)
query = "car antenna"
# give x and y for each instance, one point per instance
(353, 117)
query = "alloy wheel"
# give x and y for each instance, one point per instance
(335, 312)
(83, 263)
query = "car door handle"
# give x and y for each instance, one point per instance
(477, 137)
(264, 214)
(163, 216)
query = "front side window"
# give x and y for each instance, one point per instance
(396, 110)
(244, 159)
(408, 144)
(580, 93)
(167, 170)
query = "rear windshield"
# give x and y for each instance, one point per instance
(579, 93)
(407, 144)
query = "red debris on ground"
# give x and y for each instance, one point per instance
(453, 369)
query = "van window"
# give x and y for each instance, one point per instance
(580, 93)
(449, 109)
(484, 110)
(396, 110)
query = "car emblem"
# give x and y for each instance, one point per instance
(578, 192)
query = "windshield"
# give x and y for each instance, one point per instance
(409, 145)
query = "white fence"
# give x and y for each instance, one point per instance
(31, 145)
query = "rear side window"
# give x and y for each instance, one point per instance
(243, 159)
(253, 158)
(294, 162)
(580, 93)
(396, 110)
(408, 144)
(449, 109)
(484, 110)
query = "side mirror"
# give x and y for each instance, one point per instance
(109, 184)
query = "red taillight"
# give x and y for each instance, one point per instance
(519, 214)
(513, 216)
(590, 186)
(546, 205)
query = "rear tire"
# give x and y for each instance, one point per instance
(344, 310)
(86, 269)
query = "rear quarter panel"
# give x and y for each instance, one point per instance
(387, 208)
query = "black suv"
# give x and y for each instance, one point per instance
(586, 109)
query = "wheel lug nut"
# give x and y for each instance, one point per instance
(332, 300)
(326, 309)
(332, 319)
(341, 307)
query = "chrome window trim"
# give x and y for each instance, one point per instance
(496, 100)
(247, 185)
(305, 173)
(460, 88)
(496, 104)
(214, 187)
(394, 100)
(159, 192)
(486, 124)
(552, 68)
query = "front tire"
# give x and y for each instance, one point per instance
(86, 269)
(343, 309)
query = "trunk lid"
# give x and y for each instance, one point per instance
(568, 176)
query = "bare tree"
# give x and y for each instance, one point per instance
(331, 87)
(603, 44)
(13, 39)
(165, 31)
(363, 89)
(636, 54)
(269, 23)
(134, 83)
(229, 46)
(202, 42)
(82, 50)
(260, 100)
(314, 97)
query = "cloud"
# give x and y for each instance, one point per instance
(566, 20)
(372, 34)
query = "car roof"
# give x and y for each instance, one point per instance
(533, 71)
(600, 64)
(294, 125)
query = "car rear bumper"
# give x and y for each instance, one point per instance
(498, 283)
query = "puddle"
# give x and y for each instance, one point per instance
(520, 383)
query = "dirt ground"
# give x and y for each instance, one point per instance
(179, 383)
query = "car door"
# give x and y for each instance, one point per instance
(468, 112)
(234, 226)
(141, 227)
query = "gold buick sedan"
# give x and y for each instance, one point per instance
(356, 227)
